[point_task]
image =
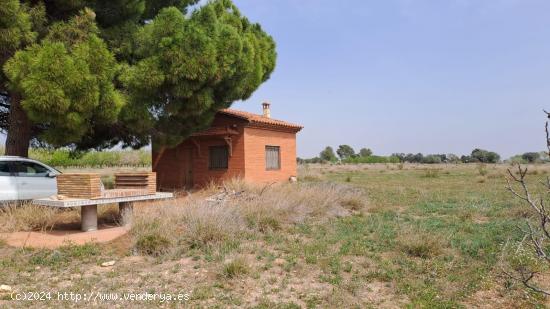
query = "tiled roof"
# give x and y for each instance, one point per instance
(259, 119)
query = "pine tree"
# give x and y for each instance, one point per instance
(91, 74)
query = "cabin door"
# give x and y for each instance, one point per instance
(187, 172)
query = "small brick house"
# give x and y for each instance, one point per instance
(254, 147)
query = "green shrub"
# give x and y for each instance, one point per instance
(67, 158)
(372, 159)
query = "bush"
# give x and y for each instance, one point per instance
(235, 268)
(372, 159)
(484, 156)
(67, 158)
(153, 244)
(431, 159)
(208, 225)
(327, 155)
(423, 246)
(152, 237)
(531, 157)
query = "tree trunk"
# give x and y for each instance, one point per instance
(19, 129)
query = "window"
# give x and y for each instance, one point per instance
(30, 169)
(272, 157)
(219, 157)
(4, 169)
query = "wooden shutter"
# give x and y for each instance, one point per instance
(272, 157)
(218, 158)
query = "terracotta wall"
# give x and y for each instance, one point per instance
(255, 141)
(171, 165)
(168, 169)
(247, 160)
(203, 175)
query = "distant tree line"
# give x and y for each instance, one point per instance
(477, 155)
(346, 154)
(531, 157)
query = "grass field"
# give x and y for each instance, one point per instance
(378, 236)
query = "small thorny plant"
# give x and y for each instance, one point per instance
(528, 259)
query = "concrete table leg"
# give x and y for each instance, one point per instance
(126, 212)
(88, 217)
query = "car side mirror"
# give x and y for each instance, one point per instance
(52, 175)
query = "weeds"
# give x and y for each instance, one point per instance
(195, 223)
(153, 244)
(59, 257)
(235, 268)
(431, 173)
(319, 243)
(482, 169)
(481, 179)
(27, 218)
(425, 247)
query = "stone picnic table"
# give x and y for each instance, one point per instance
(88, 207)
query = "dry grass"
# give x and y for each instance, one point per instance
(422, 245)
(197, 223)
(419, 242)
(27, 218)
(235, 268)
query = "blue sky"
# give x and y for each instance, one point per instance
(431, 76)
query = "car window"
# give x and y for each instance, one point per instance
(4, 168)
(30, 169)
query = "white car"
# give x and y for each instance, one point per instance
(26, 179)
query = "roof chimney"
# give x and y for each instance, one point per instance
(267, 110)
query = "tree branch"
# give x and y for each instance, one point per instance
(538, 234)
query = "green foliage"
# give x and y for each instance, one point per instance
(531, 157)
(311, 160)
(452, 158)
(431, 159)
(484, 156)
(345, 152)
(372, 159)
(190, 67)
(66, 81)
(64, 255)
(15, 29)
(518, 159)
(365, 152)
(68, 64)
(66, 158)
(467, 159)
(328, 155)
